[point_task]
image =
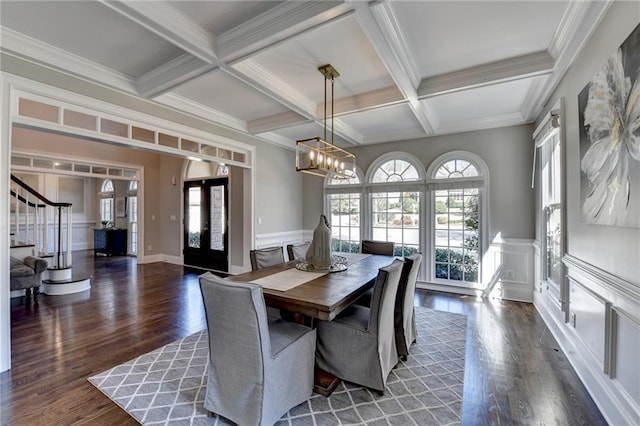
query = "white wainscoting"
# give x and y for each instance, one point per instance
(507, 272)
(283, 238)
(601, 337)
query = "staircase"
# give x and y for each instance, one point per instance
(41, 227)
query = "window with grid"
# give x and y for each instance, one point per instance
(106, 201)
(343, 200)
(456, 226)
(395, 205)
(133, 216)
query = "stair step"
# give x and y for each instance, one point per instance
(72, 285)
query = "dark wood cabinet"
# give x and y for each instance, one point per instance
(110, 242)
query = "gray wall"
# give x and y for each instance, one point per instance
(278, 191)
(508, 152)
(614, 249)
(278, 187)
(598, 326)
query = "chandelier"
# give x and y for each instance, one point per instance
(319, 156)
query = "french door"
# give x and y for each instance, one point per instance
(206, 237)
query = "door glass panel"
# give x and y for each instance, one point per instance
(194, 217)
(217, 220)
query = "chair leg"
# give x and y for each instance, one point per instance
(36, 293)
(27, 294)
(403, 357)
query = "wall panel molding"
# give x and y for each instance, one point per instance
(604, 346)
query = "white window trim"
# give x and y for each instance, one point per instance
(426, 186)
(482, 183)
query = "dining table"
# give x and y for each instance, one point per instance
(317, 295)
(309, 296)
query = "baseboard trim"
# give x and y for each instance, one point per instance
(612, 404)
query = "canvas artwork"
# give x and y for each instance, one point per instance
(609, 114)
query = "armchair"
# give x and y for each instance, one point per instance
(27, 275)
(359, 344)
(259, 368)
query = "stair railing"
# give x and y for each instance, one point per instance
(31, 223)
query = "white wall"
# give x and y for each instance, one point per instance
(602, 335)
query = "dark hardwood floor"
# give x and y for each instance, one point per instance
(514, 373)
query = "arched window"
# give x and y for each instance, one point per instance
(344, 210)
(396, 182)
(106, 201)
(457, 182)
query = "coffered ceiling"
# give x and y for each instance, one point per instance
(408, 69)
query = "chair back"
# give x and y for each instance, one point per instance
(377, 247)
(265, 257)
(298, 251)
(404, 317)
(238, 329)
(407, 285)
(384, 298)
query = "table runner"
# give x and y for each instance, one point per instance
(286, 280)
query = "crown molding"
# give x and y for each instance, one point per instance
(188, 106)
(171, 74)
(275, 25)
(526, 66)
(531, 107)
(577, 25)
(42, 54)
(399, 135)
(167, 22)
(504, 120)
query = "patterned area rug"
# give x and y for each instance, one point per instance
(167, 386)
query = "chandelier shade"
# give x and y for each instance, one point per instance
(319, 156)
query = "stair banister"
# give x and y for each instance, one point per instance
(58, 235)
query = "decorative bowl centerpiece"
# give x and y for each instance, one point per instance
(338, 264)
(319, 257)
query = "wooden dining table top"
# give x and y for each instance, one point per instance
(324, 297)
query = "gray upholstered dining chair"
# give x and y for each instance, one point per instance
(404, 316)
(359, 344)
(259, 368)
(298, 251)
(377, 247)
(265, 257)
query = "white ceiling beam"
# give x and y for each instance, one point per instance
(275, 122)
(381, 26)
(502, 120)
(170, 75)
(167, 22)
(363, 102)
(261, 79)
(280, 23)
(526, 66)
(185, 105)
(258, 77)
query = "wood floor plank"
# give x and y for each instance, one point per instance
(514, 372)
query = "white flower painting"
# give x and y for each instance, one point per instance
(610, 139)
